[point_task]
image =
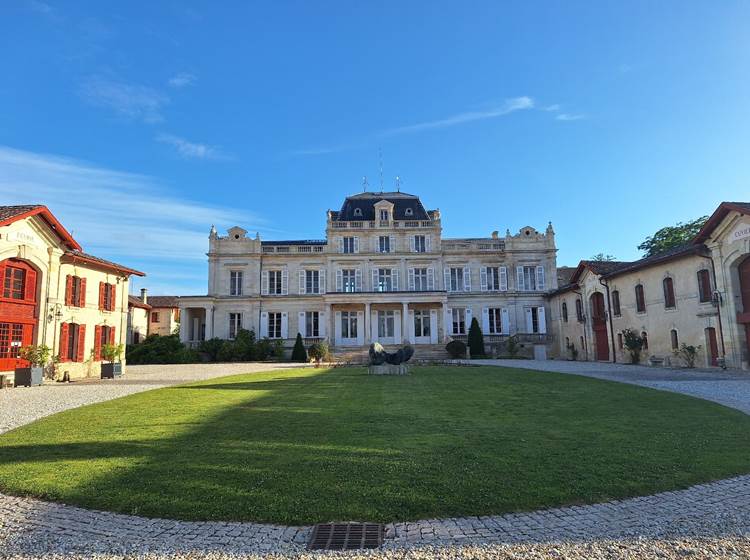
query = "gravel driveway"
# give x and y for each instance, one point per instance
(706, 521)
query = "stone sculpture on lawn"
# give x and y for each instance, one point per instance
(384, 363)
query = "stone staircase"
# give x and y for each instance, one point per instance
(359, 354)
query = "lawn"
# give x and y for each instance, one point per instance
(310, 445)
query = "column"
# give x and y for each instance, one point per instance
(367, 324)
(184, 324)
(405, 323)
(209, 322)
(443, 319)
(330, 324)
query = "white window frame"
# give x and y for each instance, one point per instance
(384, 244)
(458, 321)
(275, 282)
(274, 324)
(419, 243)
(235, 324)
(350, 245)
(349, 320)
(312, 283)
(384, 280)
(235, 282)
(422, 317)
(495, 320)
(386, 323)
(312, 324)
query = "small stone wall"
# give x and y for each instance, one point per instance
(389, 369)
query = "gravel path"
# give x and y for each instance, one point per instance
(705, 521)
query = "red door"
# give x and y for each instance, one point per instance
(18, 310)
(744, 316)
(599, 326)
(713, 347)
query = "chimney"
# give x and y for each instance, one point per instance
(144, 295)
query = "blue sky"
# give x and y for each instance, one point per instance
(142, 123)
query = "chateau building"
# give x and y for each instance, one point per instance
(697, 294)
(54, 294)
(384, 273)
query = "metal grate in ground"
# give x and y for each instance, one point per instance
(346, 536)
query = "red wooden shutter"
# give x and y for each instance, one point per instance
(111, 297)
(2, 279)
(30, 287)
(97, 343)
(82, 297)
(81, 342)
(64, 342)
(102, 287)
(111, 335)
(68, 290)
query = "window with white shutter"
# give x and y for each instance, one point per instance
(467, 279)
(503, 279)
(540, 278)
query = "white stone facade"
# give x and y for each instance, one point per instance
(384, 273)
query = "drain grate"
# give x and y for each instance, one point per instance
(346, 536)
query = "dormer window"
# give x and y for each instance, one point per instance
(384, 215)
(409, 212)
(358, 212)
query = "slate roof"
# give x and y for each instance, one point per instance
(163, 301)
(91, 259)
(366, 201)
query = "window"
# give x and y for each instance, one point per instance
(456, 280)
(357, 211)
(493, 278)
(420, 244)
(312, 281)
(640, 299)
(421, 323)
(384, 280)
(704, 286)
(235, 324)
(668, 285)
(75, 291)
(312, 324)
(495, 319)
(350, 245)
(15, 280)
(675, 340)
(106, 296)
(154, 316)
(530, 278)
(386, 324)
(72, 340)
(535, 319)
(348, 324)
(349, 280)
(565, 312)
(235, 283)
(274, 325)
(384, 215)
(620, 342)
(384, 244)
(644, 336)
(274, 282)
(579, 311)
(420, 280)
(458, 320)
(409, 212)
(616, 303)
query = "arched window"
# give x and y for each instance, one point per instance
(579, 311)
(640, 299)
(675, 341)
(565, 312)
(668, 285)
(644, 336)
(409, 212)
(616, 303)
(704, 286)
(357, 211)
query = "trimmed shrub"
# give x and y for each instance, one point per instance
(319, 351)
(476, 339)
(211, 348)
(456, 349)
(299, 354)
(157, 349)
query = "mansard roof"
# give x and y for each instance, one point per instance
(296, 242)
(361, 207)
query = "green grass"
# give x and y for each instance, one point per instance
(305, 446)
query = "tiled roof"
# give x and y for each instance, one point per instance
(91, 259)
(719, 214)
(8, 212)
(163, 301)
(135, 301)
(564, 274)
(684, 250)
(366, 201)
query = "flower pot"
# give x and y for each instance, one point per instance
(29, 376)
(110, 371)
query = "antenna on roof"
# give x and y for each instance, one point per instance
(398, 183)
(380, 157)
(365, 184)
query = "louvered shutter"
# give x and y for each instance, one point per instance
(467, 318)
(337, 328)
(358, 280)
(540, 278)
(485, 320)
(427, 244)
(360, 327)
(102, 291)
(112, 296)
(483, 278)
(322, 321)
(505, 326)
(341, 244)
(394, 279)
(375, 287)
(339, 280)
(81, 342)
(529, 321)
(284, 282)
(64, 335)
(356, 244)
(264, 324)
(30, 285)
(397, 323)
(301, 275)
(111, 335)
(467, 279)
(284, 325)
(412, 240)
(302, 324)
(519, 279)
(374, 326)
(2, 278)
(68, 290)
(391, 244)
(447, 278)
(322, 281)
(542, 320)
(448, 322)
(98, 343)
(411, 280)
(264, 283)
(82, 298)
(431, 281)
(503, 279)
(433, 326)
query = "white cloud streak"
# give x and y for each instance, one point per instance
(192, 150)
(127, 100)
(130, 218)
(569, 117)
(183, 79)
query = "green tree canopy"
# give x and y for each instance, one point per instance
(602, 257)
(671, 236)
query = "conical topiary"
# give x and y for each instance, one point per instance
(476, 339)
(299, 354)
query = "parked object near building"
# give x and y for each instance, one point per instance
(56, 295)
(383, 274)
(696, 294)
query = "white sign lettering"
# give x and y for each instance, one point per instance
(740, 232)
(23, 238)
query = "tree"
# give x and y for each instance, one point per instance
(601, 257)
(476, 339)
(299, 354)
(671, 236)
(633, 344)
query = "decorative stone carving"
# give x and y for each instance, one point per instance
(383, 363)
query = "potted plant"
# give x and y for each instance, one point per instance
(111, 353)
(37, 356)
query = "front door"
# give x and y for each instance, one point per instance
(744, 273)
(422, 326)
(18, 311)
(599, 326)
(712, 347)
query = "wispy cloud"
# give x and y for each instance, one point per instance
(183, 79)
(569, 117)
(131, 218)
(41, 7)
(128, 100)
(551, 108)
(192, 150)
(507, 107)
